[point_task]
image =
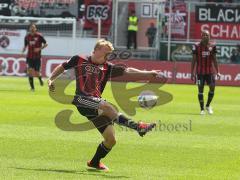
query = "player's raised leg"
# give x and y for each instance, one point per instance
(109, 112)
(141, 127)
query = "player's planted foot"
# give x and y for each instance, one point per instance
(143, 128)
(100, 166)
(209, 110)
(202, 112)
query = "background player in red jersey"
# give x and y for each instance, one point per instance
(35, 43)
(204, 58)
(92, 74)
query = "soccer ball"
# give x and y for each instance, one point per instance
(147, 99)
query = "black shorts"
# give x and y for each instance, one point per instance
(208, 78)
(34, 63)
(88, 107)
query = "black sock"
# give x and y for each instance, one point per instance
(124, 121)
(40, 80)
(101, 152)
(210, 97)
(31, 82)
(201, 101)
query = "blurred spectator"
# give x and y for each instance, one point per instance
(132, 30)
(235, 56)
(238, 48)
(151, 33)
(238, 54)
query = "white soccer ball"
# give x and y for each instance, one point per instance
(147, 99)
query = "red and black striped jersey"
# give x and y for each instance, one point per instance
(204, 57)
(91, 78)
(34, 41)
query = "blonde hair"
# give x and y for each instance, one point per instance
(103, 42)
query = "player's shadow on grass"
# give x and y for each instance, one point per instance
(92, 172)
(14, 90)
(185, 113)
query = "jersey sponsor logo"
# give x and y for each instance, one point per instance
(92, 69)
(31, 43)
(12, 66)
(205, 53)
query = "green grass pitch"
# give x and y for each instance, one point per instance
(32, 147)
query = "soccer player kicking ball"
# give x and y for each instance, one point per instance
(204, 57)
(92, 73)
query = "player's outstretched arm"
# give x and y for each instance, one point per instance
(56, 72)
(44, 45)
(24, 49)
(140, 73)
